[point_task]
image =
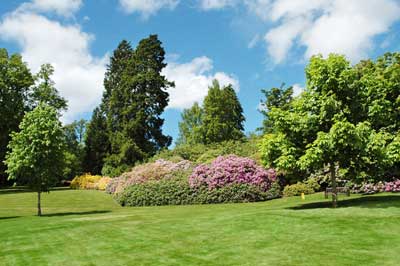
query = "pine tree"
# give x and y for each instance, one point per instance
(223, 115)
(134, 100)
(97, 144)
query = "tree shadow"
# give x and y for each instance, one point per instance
(9, 217)
(362, 202)
(74, 213)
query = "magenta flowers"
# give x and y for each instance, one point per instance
(232, 169)
(393, 186)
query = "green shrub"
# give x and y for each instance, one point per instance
(297, 189)
(178, 192)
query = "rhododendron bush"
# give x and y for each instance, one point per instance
(393, 186)
(160, 169)
(232, 169)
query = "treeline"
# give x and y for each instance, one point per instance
(126, 128)
(344, 124)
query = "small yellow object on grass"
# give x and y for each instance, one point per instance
(303, 197)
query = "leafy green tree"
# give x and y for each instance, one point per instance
(134, 100)
(15, 82)
(223, 115)
(328, 125)
(36, 155)
(97, 143)
(45, 92)
(275, 98)
(190, 126)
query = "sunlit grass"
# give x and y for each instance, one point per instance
(89, 228)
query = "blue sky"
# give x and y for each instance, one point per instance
(253, 44)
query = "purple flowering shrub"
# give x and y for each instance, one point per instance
(393, 186)
(232, 169)
(372, 188)
(156, 171)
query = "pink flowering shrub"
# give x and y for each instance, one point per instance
(156, 171)
(393, 186)
(232, 169)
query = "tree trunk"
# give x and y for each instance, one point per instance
(333, 181)
(39, 211)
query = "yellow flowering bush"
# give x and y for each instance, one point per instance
(85, 181)
(102, 183)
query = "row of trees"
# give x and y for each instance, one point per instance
(20, 92)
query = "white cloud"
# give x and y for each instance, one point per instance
(280, 39)
(61, 7)
(297, 89)
(147, 7)
(192, 80)
(78, 75)
(324, 26)
(216, 4)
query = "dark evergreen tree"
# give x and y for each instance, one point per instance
(223, 115)
(15, 82)
(97, 144)
(134, 100)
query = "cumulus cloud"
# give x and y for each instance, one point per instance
(147, 7)
(61, 7)
(192, 80)
(78, 75)
(324, 26)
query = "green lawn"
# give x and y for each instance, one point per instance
(89, 228)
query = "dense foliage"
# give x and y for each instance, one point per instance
(15, 83)
(338, 121)
(134, 99)
(36, 156)
(308, 187)
(179, 192)
(220, 119)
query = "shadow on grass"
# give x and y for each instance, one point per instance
(73, 213)
(362, 202)
(9, 217)
(25, 189)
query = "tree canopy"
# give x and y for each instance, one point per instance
(334, 122)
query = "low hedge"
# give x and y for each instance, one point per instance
(179, 192)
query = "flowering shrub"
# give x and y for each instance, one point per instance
(102, 183)
(232, 169)
(372, 188)
(393, 186)
(177, 191)
(160, 169)
(86, 181)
